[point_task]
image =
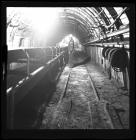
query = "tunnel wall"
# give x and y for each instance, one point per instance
(121, 78)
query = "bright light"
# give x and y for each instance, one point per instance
(66, 39)
(69, 37)
(44, 19)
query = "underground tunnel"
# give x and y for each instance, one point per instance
(67, 67)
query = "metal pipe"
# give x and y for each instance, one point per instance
(99, 13)
(110, 34)
(117, 17)
(115, 33)
(111, 43)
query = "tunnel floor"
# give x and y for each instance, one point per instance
(86, 99)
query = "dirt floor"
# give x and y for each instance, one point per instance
(76, 105)
(84, 98)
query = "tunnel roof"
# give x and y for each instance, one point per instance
(86, 22)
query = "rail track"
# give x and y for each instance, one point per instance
(79, 106)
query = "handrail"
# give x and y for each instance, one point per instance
(23, 48)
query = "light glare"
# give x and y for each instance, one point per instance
(44, 19)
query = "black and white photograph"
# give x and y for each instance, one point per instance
(67, 67)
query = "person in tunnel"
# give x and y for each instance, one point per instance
(77, 56)
(70, 51)
(71, 45)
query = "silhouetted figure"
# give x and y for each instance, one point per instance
(76, 56)
(70, 50)
(71, 45)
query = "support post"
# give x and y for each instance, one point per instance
(10, 109)
(125, 79)
(28, 64)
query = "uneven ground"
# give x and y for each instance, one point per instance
(84, 98)
(77, 104)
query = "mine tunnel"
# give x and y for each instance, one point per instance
(67, 67)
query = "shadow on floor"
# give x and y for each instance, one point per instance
(27, 111)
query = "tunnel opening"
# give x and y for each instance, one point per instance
(59, 57)
(77, 52)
